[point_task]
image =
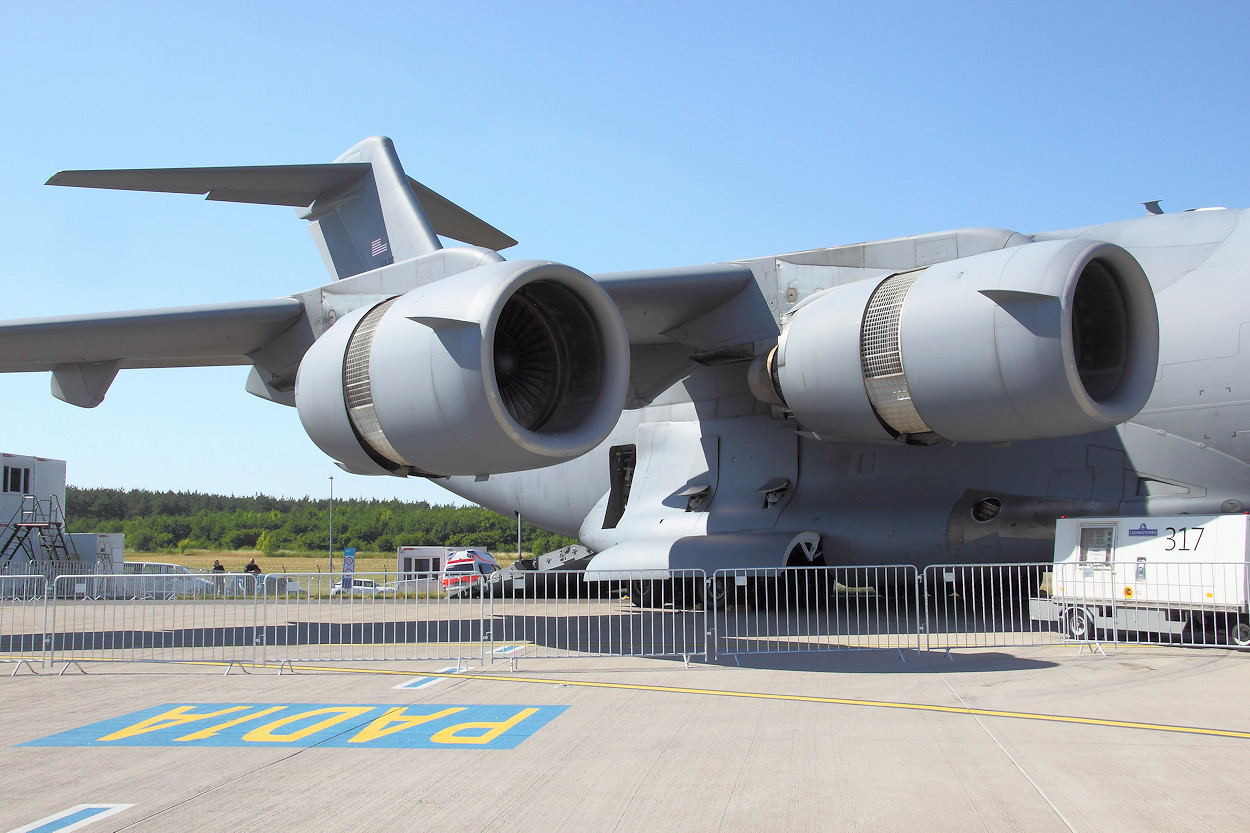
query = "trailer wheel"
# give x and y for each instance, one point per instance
(1078, 624)
(1240, 634)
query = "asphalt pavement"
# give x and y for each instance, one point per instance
(1045, 738)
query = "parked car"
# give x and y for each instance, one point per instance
(363, 587)
(280, 585)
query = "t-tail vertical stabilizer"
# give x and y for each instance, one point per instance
(372, 220)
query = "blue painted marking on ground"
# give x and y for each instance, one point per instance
(426, 682)
(508, 649)
(342, 725)
(74, 818)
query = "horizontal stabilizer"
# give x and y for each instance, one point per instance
(295, 185)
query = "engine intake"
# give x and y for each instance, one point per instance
(1046, 339)
(507, 367)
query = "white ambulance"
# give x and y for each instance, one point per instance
(466, 572)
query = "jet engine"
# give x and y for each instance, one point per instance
(510, 366)
(1047, 339)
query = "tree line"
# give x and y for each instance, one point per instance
(180, 521)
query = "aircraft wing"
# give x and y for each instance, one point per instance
(664, 310)
(680, 317)
(84, 352)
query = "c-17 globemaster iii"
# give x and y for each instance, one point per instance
(941, 398)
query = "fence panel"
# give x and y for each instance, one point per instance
(984, 605)
(23, 619)
(796, 609)
(1135, 600)
(150, 618)
(605, 613)
(313, 618)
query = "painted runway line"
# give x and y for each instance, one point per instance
(74, 818)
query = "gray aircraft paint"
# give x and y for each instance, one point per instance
(762, 487)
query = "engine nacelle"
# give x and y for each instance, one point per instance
(510, 366)
(1046, 339)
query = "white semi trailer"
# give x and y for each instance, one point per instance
(1183, 575)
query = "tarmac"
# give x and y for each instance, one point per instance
(1038, 739)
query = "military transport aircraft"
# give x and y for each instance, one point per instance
(938, 398)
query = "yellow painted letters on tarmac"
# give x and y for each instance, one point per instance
(394, 720)
(337, 714)
(174, 717)
(494, 729)
(211, 731)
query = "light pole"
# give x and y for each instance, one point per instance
(331, 524)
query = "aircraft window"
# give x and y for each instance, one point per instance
(621, 459)
(487, 569)
(465, 567)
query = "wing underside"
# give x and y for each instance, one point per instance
(84, 352)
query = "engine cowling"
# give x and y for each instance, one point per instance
(510, 366)
(1047, 339)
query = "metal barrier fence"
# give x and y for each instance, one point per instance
(250, 619)
(606, 613)
(139, 617)
(983, 606)
(314, 618)
(254, 619)
(797, 609)
(23, 613)
(1190, 603)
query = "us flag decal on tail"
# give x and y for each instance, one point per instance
(378, 247)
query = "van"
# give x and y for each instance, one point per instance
(465, 572)
(158, 580)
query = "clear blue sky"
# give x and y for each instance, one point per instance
(607, 136)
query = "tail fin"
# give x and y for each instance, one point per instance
(372, 220)
(363, 210)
